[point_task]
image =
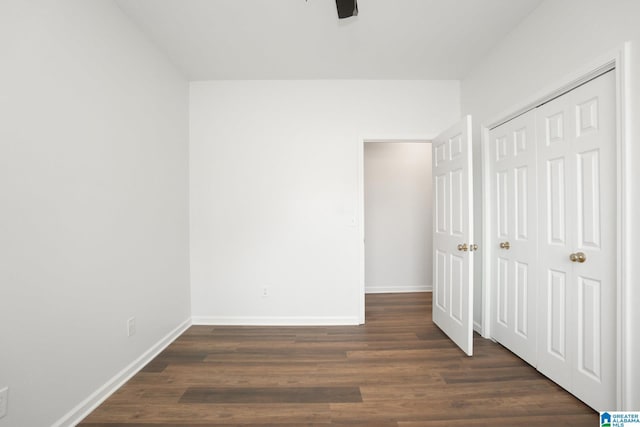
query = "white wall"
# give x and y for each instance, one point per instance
(93, 205)
(398, 221)
(274, 178)
(557, 39)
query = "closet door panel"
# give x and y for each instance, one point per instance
(589, 199)
(522, 299)
(514, 229)
(554, 121)
(556, 342)
(522, 197)
(555, 200)
(590, 322)
(577, 241)
(595, 279)
(504, 203)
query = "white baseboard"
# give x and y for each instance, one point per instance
(85, 407)
(398, 289)
(273, 321)
(477, 327)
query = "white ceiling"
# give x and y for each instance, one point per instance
(303, 39)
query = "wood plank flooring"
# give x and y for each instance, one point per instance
(398, 370)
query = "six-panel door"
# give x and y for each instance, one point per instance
(512, 167)
(577, 256)
(452, 234)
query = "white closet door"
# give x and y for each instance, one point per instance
(453, 234)
(576, 152)
(512, 168)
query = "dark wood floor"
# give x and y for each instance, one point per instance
(397, 370)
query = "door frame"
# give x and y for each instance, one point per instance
(360, 208)
(617, 60)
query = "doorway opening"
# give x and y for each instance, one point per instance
(397, 216)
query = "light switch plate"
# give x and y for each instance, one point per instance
(131, 326)
(4, 396)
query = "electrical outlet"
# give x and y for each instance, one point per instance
(131, 326)
(4, 396)
(265, 292)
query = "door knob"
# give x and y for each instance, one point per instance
(463, 247)
(505, 245)
(473, 247)
(578, 257)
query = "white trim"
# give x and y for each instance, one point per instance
(623, 177)
(361, 247)
(617, 59)
(477, 327)
(398, 140)
(486, 233)
(274, 321)
(571, 81)
(574, 83)
(361, 256)
(397, 289)
(94, 400)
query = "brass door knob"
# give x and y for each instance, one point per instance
(463, 247)
(473, 247)
(578, 257)
(505, 245)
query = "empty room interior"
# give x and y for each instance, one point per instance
(314, 212)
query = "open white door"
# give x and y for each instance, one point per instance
(453, 234)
